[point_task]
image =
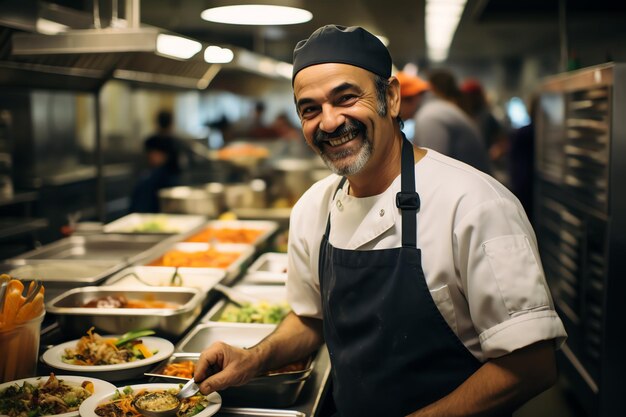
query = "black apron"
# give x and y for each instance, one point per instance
(391, 351)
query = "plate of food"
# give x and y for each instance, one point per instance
(111, 357)
(120, 402)
(53, 395)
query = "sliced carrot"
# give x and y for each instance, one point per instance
(144, 350)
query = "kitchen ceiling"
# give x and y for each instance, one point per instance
(489, 29)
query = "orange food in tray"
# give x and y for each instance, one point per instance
(204, 259)
(227, 235)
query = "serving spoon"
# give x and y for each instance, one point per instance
(188, 390)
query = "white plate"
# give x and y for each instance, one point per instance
(88, 406)
(117, 372)
(99, 387)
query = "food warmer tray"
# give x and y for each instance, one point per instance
(243, 335)
(266, 227)
(274, 390)
(163, 224)
(59, 276)
(257, 412)
(202, 279)
(269, 293)
(269, 268)
(73, 318)
(232, 271)
(121, 248)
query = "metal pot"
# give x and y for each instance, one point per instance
(206, 200)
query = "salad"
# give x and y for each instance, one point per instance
(45, 397)
(94, 349)
(261, 312)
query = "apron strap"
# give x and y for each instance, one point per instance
(407, 199)
(339, 187)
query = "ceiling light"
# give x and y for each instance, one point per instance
(177, 46)
(256, 14)
(49, 27)
(216, 55)
(442, 20)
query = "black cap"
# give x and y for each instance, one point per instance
(343, 45)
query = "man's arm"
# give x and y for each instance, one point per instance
(501, 385)
(221, 366)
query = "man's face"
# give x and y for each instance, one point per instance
(340, 117)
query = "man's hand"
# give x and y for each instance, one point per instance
(221, 366)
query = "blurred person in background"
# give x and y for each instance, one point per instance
(443, 84)
(162, 152)
(413, 89)
(284, 129)
(441, 125)
(474, 102)
(522, 160)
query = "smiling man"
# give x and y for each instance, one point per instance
(419, 272)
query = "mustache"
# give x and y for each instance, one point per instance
(348, 126)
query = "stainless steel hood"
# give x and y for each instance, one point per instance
(85, 58)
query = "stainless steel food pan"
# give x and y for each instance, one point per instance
(232, 271)
(269, 293)
(163, 224)
(275, 390)
(265, 227)
(237, 334)
(60, 276)
(202, 279)
(104, 247)
(257, 412)
(76, 319)
(269, 268)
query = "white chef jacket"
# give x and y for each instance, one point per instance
(479, 252)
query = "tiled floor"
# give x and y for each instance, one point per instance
(558, 401)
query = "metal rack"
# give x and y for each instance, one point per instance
(580, 209)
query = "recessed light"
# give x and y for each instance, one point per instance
(257, 14)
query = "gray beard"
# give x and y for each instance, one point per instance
(363, 155)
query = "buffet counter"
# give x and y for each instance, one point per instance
(171, 263)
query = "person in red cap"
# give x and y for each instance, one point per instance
(418, 272)
(474, 102)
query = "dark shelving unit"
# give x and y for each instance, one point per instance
(580, 219)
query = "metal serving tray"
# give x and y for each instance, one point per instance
(267, 228)
(269, 268)
(232, 271)
(243, 335)
(202, 279)
(121, 248)
(60, 276)
(269, 293)
(76, 319)
(164, 224)
(257, 412)
(273, 390)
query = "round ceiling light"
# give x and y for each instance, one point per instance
(256, 14)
